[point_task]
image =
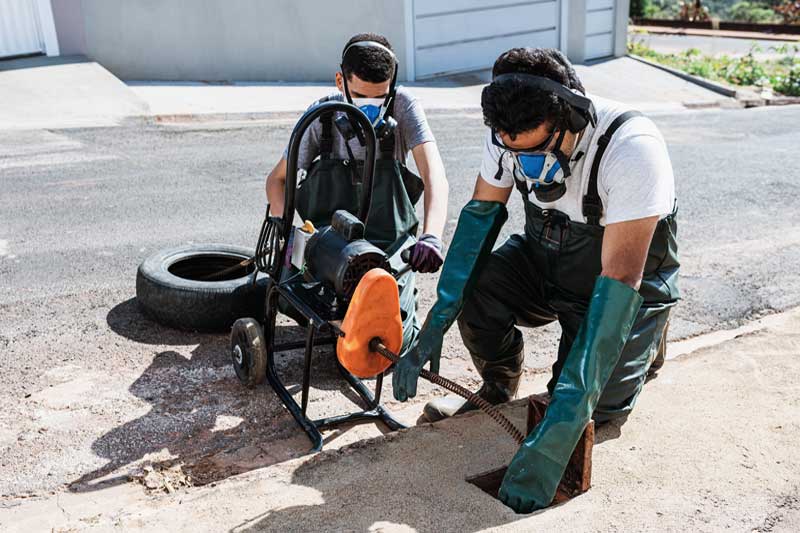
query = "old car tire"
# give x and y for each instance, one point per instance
(174, 287)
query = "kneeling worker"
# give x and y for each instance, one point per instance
(368, 79)
(598, 254)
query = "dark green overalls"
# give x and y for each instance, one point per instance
(548, 274)
(392, 223)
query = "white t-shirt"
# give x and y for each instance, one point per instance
(634, 180)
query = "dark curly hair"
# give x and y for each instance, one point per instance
(512, 107)
(369, 64)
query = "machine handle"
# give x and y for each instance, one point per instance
(405, 255)
(291, 166)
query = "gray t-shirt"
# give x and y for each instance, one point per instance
(412, 130)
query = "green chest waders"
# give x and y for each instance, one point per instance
(392, 223)
(568, 256)
(609, 333)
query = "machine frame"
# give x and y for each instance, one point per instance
(272, 256)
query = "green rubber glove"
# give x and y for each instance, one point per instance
(477, 230)
(536, 470)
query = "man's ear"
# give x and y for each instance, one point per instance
(340, 82)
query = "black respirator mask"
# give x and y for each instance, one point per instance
(545, 170)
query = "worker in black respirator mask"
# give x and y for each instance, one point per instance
(598, 254)
(331, 157)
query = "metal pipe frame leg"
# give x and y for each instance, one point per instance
(374, 412)
(309, 351)
(375, 409)
(275, 382)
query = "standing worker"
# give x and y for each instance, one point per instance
(368, 79)
(598, 254)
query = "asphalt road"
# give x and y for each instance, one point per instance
(90, 386)
(81, 208)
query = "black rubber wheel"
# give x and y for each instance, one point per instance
(178, 288)
(248, 352)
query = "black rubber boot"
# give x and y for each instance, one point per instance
(500, 384)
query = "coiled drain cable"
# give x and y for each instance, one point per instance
(376, 345)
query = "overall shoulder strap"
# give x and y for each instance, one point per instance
(326, 139)
(592, 206)
(386, 146)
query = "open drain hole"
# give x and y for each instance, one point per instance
(489, 482)
(577, 477)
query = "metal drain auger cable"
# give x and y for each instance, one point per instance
(376, 345)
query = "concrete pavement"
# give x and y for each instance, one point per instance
(710, 446)
(75, 92)
(63, 92)
(647, 88)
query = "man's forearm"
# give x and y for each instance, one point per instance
(431, 170)
(435, 202)
(276, 183)
(625, 248)
(275, 196)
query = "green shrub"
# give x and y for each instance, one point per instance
(639, 8)
(746, 70)
(757, 12)
(783, 74)
(788, 84)
(662, 9)
(699, 68)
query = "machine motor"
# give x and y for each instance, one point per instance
(339, 256)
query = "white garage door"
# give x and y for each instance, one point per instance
(461, 35)
(19, 28)
(599, 28)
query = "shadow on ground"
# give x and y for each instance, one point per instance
(410, 482)
(202, 420)
(202, 425)
(37, 61)
(331, 498)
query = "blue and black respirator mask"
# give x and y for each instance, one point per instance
(544, 171)
(374, 108)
